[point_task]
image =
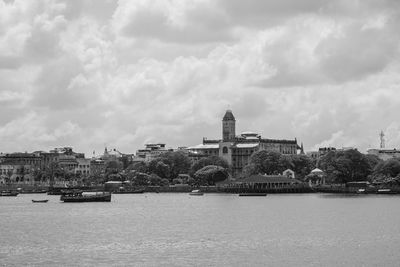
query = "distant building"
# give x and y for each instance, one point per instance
(97, 167)
(322, 151)
(152, 151)
(237, 149)
(384, 153)
(19, 167)
(83, 167)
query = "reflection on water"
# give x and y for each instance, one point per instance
(210, 230)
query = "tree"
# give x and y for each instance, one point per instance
(373, 160)
(160, 168)
(389, 167)
(113, 167)
(52, 171)
(155, 180)
(140, 166)
(177, 162)
(301, 165)
(38, 175)
(211, 160)
(268, 162)
(345, 166)
(114, 177)
(211, 174)
(141, 179)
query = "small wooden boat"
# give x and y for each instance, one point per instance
(252, 194)
(40, 201)
(196, 193)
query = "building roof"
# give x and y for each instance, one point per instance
(316, 170)
(208, 146)
(258, 178)
(248, 145)
(282, 141)
(228, 116)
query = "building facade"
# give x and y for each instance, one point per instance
(237, 149)
(152, 151)
(384, 153)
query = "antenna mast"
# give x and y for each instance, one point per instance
(382, 137)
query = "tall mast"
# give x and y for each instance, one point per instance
(382, 137)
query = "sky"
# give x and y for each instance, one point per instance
(96, 73)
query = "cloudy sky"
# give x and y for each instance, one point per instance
(123, 73)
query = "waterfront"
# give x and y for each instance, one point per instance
(211, 230)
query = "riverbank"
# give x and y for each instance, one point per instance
(339, 189)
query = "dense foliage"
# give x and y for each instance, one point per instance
(211, 160)
(346, 166)
(211, 174)
(176, 168)
(272, 162)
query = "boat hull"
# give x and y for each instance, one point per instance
(8, 194)
(40, 201)
(385, 191)
(92, 198)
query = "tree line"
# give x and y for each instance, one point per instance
(177, 168)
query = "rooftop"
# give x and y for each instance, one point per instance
(228, 116)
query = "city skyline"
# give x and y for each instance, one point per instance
(125, 73)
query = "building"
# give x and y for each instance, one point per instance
(262, 183)
(152, 151)
(83, 166)
(384, 153)
(18, 168)
(321, 152)
(237, 149)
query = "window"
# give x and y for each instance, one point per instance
(224, 150)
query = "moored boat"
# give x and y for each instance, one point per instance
(385, 191)
(252, 194)
(80, 196)
(137, 191)
(196, 193)
(8, 193)
(361, 191)
(40, 201)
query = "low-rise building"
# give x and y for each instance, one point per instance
(384, 153)
(152, 151)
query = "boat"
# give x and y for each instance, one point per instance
(80, 196)
(385, 191)
(252, 194)
(40, 201)
(196, 193)
(137, 191)
(8, 193)
(361, 191)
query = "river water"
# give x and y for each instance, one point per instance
(170, 229)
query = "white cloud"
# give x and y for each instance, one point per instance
(122, 73)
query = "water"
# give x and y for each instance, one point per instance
(210, 230)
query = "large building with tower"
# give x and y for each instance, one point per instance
(237, 149)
